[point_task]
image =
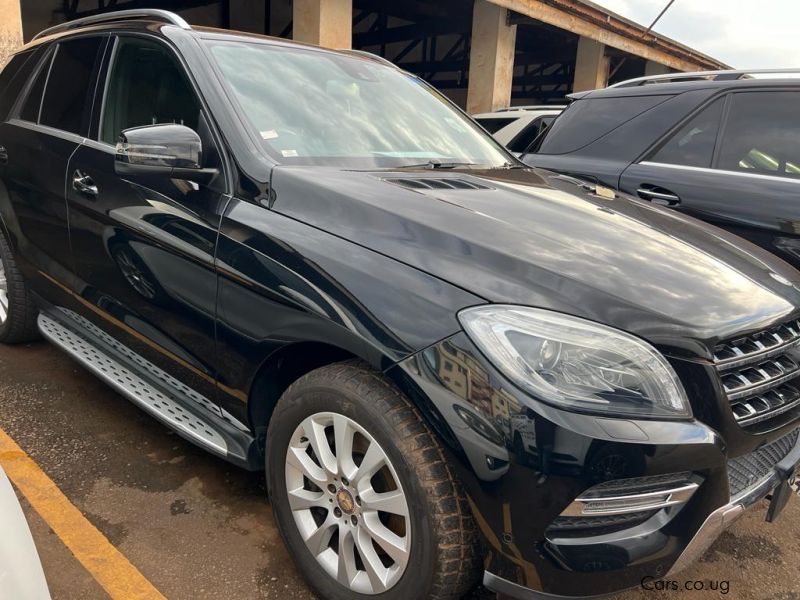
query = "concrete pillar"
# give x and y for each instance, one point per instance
(324, 22)
(591, 66)
(491, 58)
(10, 28)
(247, 15)
(651, 67)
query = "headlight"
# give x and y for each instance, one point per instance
(576, 364)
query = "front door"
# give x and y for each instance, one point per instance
(144, 254)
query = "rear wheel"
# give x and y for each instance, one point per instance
(17, 311)
(362, 493)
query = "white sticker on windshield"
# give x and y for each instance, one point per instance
(289, 153)
(269, 135)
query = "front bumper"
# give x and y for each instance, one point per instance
(717, 522)
(526, 467)
(723, 517)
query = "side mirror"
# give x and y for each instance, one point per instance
(172, 151)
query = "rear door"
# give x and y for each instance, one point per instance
(42, 132)
(144, 252)
(735, 163)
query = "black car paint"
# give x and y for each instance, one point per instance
(311, 262)
(762, 209)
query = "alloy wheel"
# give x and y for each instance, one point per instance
(348, 503)
(3, 293)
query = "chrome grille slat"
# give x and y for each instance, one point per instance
(760, 374)
(753, 348)
(751, 386)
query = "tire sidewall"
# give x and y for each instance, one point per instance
(5, 255)
(417, 579)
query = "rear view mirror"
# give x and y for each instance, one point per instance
(173, 151)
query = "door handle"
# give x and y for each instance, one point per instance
(83, 184)
(3, 155)
(658, 196)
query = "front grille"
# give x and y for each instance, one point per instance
(746, 471)
(760, 375)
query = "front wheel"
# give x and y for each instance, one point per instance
(362, 493)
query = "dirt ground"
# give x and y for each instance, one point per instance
(197, 527)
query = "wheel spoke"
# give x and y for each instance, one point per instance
(372, 462)
(376, 572)
(301, 498)
(319, 539)
(393, 502)
(319, 443)
(390, 542)
(343, 434)
(346, 570)
(297, 458)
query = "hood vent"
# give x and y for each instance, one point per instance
(437, 183)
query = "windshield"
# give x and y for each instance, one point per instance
(312, 107)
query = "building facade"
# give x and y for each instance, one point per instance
(484, 54)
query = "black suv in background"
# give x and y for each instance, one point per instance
(721, 146)
(449, 365)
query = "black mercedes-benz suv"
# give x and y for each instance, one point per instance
(722, 146)
(450, 365)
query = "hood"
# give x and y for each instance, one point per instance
(535, 238)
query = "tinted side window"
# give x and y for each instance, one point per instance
(33, 101)
(584, 121)
(762, 134)
(526, 137)
(66, 100)
(693, 144)
(13, 77)
(147, 86)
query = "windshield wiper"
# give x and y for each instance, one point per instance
(437, 164)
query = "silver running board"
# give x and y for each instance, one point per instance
(153, 400)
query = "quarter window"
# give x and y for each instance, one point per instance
(13, 78)
(33, 102)
(147, 86)
(693, 144)
(66, 103)
(762, 134)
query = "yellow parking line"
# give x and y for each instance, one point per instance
(98, 556)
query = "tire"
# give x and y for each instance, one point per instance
(442, 559)
(18, 312)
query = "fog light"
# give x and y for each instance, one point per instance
(633, 495)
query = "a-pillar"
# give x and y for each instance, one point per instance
(491, 58)
(10, 28)
(591, 66)
(324, 22)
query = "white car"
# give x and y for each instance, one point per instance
(21, 575)
(518, 126)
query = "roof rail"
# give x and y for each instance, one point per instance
(154, 14)
(729, 75)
